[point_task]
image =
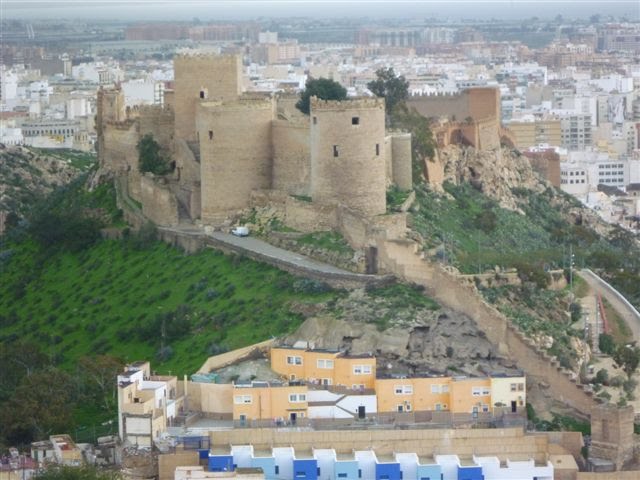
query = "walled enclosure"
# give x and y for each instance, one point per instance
(479, 103)
(347, 154)
(202, 77)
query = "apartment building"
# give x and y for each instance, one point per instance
(324, 367)
(575, 131)
(147, 404)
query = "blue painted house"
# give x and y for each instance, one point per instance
(221, 460)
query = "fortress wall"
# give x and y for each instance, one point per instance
(488, 136)
(118, 147)
(402, 174)
(234, 161)
(291, 157)
(400, 258)
(309, 217)
(202, 77)
(158, 122)
(133, 183)
(188, 175)
(347, 154)
(477, 103)
(158, 202)
(388, 159)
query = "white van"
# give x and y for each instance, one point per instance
(240, 231)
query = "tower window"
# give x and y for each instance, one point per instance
(315, 120)
(202, 94)
(210, 134)
(377, 149)
(355, 120)
(335, 150)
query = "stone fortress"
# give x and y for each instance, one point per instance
(231, 151)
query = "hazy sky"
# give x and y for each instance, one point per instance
(246, 9)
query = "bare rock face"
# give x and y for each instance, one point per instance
(417, 341)
(494, 173)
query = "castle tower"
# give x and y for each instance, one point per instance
(347, 153)
(110, 108)
(235, 153)
(202, 77)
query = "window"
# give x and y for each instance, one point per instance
(202, 94)
(403, 389)
(276, 470)
(362, 369)
(521, 387)
(359, 473)
(435, 388)
(514, 387)
(438, 407)
(357, 386)
(318, 471)
(335, 150)
(326, 381)
(301, 474)
(325, 363)
(342, 475)
(355, 120)
(315, 120)
(485, 408)
(210, 134)
(294, 360)
(297, 397)
(445, 389)
(377, 149)
(242, 399)
(480, 391)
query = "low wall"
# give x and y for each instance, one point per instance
(501, 442)
(335, 280)
(228, 358)
(608, 476)
(212, 399)
(168, 462)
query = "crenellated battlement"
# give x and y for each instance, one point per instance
(358, 103)
(243, 103)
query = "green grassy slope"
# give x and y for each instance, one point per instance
(477, 234)
(115, 299)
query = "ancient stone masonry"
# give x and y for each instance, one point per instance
(225, 145)
(347, 159)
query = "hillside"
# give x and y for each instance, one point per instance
(27, 174)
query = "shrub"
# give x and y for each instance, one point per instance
(602, 376)
(606, 343)
(150, 156)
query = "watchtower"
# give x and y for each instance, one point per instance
(347, 153)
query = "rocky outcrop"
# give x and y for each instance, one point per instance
(495, 173)
(406, 340)
(27, 175)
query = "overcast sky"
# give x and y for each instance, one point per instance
(247, 9)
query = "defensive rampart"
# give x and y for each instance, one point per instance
(402, 258)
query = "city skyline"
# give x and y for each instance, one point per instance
(252, 9)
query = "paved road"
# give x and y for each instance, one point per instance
(630, 315)
(255, 245)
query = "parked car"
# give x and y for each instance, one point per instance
(240, 231)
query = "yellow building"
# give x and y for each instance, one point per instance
(470, 395)
(457, 394)
(413, 394)
(324, 367)
(269, 401)
(533, 133)
(509, 393)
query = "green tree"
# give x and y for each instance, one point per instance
(150, 156)
(323, 88)
(40, 406)
(98, 377)
(393, 88)
(628, 358)
(86, 472)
